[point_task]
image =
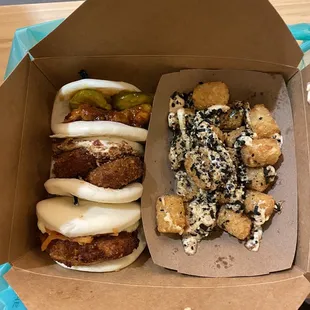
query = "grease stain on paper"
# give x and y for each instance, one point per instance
(224, 262)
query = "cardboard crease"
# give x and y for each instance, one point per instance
(160, 286)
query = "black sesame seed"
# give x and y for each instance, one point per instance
(174, 94)
(256, 212)
(212, 214)
(203, 227)
(75, 201)
(83, 74)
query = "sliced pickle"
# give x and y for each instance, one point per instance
(91, 96)
(126, 100)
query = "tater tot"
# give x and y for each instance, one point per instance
(222, 200)
(236, 224)
(260, 179)
(219, 133)
(185, 187)
(170, 214)
(232, 119)
(212, 93)
(233, 155)
(198, 174)
(261, 153)
(262, 122)
(231, 137)
(256, 201)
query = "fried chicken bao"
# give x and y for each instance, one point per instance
(223, 154)
(92, 107)
(96, 172)
(101, 169)
(109, 170)
(100, 249)
(127, 107)
(92, 236)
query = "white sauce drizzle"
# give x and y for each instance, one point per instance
(194, 138)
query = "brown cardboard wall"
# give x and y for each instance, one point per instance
(175, 27)
(297, 94)
(265, 293)
(34, 162)
(144, 71)
(12, 94)
(304, 218)
(142, 272)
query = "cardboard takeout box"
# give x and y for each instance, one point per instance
(137, 42)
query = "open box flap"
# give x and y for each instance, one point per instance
(176, 27)
(155, 291)
(12, 93)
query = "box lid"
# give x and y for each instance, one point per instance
(176, 27)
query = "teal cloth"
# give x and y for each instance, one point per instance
(24, 40)
(8, 298)
(301, 32)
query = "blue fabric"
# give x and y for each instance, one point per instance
(8, 298)
(24, 40)
(301, 32)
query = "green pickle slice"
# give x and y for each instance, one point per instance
(126, 100)
(91, 96)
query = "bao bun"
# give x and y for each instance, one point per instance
(91, 128)
(91, 219)
(115, 264)
(88, 191)
(88, 218)
(107, 148)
